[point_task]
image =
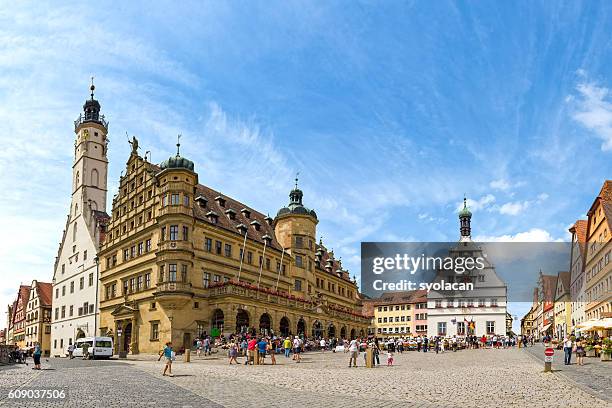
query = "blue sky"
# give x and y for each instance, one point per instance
(390, 111)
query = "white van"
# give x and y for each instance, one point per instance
(103, 347)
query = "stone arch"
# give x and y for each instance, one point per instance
(317, 329)
(361, 333)
(343, 332)
(242, 321)
(284, 326)
(95, 178)
(217, 320)
(265, 324)
(301, 327)
(331, 330)
(80, 334)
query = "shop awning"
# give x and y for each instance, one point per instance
(546, 327)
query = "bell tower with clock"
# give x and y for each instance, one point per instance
(89, 171)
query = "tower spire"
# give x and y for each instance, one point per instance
(465, 217)
(178, 145)
(92, 88)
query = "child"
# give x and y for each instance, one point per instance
(389, 359)
(168, 355)
(233, 353)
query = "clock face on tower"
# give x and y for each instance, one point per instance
(85, 134)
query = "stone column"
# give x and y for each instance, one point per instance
(134, 340)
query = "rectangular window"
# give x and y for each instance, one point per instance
(148, 245)
(132, 285)
(298, 284)
(481, 302)
(71, 313)
(299, 242)
(298, 261)
(81, 283)
(147, 280)
(72, 287)
(380, 320)
(185, 233)
(174, 199)
(218, 246)
(217, 278)
(228, 250)
(172, 272)
(494, 302)
(154, 331)
(208, 245)
(438, 303)
(441, 328)
(85, 255)
(174, 231)
(206, 279)
(249, 257)
(91, 279)
(161, 272)
(126, 254)
(460, 328)
(63, 312)
(56, 313)
(133, 251)
(268, 263)
(184, 273)
(139, 283)
(140, 248)
(490, 327)
(186, 200)
(163, 234)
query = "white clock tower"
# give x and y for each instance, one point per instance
(76, 266)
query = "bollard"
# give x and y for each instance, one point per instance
(187, 356)
(548, 358)
(255, 357)
(369, 357)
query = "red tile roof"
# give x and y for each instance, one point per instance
(45, 293)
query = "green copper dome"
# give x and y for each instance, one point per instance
(465, 212)
(177, 162)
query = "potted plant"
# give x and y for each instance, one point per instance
(590, 350)
(606, 350)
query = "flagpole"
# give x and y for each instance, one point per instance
(280, 269)
(242, 257)
(263, 258)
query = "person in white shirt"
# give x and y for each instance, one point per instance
(354, 350)
(322, 344)
(297, 348)
(567, 348)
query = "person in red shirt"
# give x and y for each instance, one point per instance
(252, 345)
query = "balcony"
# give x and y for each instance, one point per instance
(174, 288)
(96, 119)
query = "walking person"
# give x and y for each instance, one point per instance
(168, 354)
(71, 351)
(85, 350)
(354, 352)
(233, 353)
(567, 348)
(297, 348)
(262, 347)
(37, 353)
(579, 347)
(252, 345)
(419, 340)
(198, 347)
(272, 352)
(287, 346)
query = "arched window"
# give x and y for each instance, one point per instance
(95, 178)
(76, 208)
(74, 231)
(77, 180)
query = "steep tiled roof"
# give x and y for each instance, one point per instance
(45, 293)
(550, 284)
(240, 218)
(411, 296)
(565, 280)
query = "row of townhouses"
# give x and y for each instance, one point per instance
(580, 299)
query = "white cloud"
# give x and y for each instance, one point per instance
(500, 184)
(532, 235)
(476, 205)
(513, 208)
(594, 112)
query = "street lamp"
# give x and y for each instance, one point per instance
(97, 261)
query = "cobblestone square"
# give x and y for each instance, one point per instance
(472, 378)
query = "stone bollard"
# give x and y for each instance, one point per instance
(256, 357)
(187, 358)
(369, 358)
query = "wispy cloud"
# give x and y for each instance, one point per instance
(594, 111)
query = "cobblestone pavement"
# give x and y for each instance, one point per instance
(595, 376)
(472, 378)
(95, 384)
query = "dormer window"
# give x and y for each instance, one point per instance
(202, 201)
(256, 224)
(246, 213)
(212, 217)
(231, 214)
(269, 220)
(242, 228)
(220, 200)
(267, 239)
